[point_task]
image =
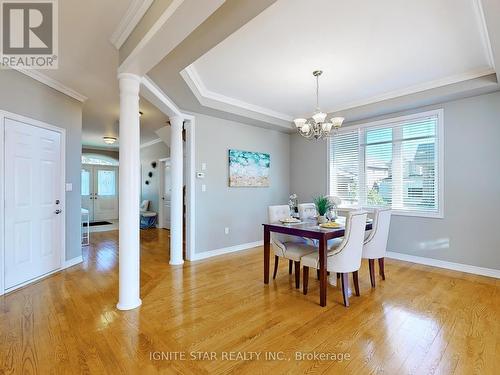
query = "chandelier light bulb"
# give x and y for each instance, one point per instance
(299, 122)
(319, 117)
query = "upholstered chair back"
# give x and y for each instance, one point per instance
(275, 213)
(376, 244)
(347, 257)
(307, 211)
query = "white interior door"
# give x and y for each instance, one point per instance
(167, 189)
(33, 190)
(88, 190)
(105, 193)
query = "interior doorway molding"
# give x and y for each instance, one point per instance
(151, 92)
(13, 116)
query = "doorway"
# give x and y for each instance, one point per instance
(165, 192)
(33, 191)
(100, 192)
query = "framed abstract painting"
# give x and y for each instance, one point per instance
(249, 169)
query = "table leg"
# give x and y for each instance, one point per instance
(322, 271)
(267, 245)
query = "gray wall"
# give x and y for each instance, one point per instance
(23, 95)
(148, 155)
(468, 233)
(243, 210)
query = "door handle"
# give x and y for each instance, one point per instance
(57, 212)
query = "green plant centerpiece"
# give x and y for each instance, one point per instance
(323, 205)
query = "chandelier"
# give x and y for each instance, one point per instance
(318, 127)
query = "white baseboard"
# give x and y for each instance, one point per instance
(225, 250)
(67, 264)
(490, 272)
(72, 262)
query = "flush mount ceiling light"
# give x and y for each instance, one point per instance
(318, 127)
(109, 140)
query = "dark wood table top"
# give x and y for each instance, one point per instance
(311, 229)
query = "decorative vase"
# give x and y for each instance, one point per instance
(322, 219)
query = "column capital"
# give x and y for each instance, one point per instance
(131, 76)
(176, 120)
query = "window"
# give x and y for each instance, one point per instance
(394, 162)
(85, 182)
(97, 159)
(106, 183)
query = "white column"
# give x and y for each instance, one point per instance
(130, 185)
(176, 165)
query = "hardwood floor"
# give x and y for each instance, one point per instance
(420, 320)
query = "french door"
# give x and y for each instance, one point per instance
(100, 191)
(34, 224)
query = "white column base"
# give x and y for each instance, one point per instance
(174, 262)
(129, 305)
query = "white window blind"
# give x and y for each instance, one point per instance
(393, 163)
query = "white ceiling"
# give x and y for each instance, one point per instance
(368, 50)
(88, 64)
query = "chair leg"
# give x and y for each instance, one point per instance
(317, 274)
(356, 282)
(305, 278)
(381, 268)
(371, 264)
(276, 261)
(345, 288)
(290, 265)
(297, 275)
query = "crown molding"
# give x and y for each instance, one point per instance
(56, 85)
(221, 102)
(132, 17)
(225, 103)
(151, 143)
(483, 31)
(474, 74)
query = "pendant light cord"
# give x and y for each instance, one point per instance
(317, 93)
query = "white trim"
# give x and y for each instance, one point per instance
(66, 264)
(156, 96)
(483, 31)
(207, 97)
(440, 139)
(490, 272)
(43, 125)
(52, 83)
(72, 262)
(151, 143)
(221, 102)
(151, 33)
(130, 20)
(190, 186)
(473, 74)
(162, 163)
(226, 250)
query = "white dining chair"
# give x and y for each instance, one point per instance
(343, 257)
(307, 211)
(375, 245)
(292, 248)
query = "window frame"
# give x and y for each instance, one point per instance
(439, 113)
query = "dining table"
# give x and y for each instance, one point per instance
(306, 229)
